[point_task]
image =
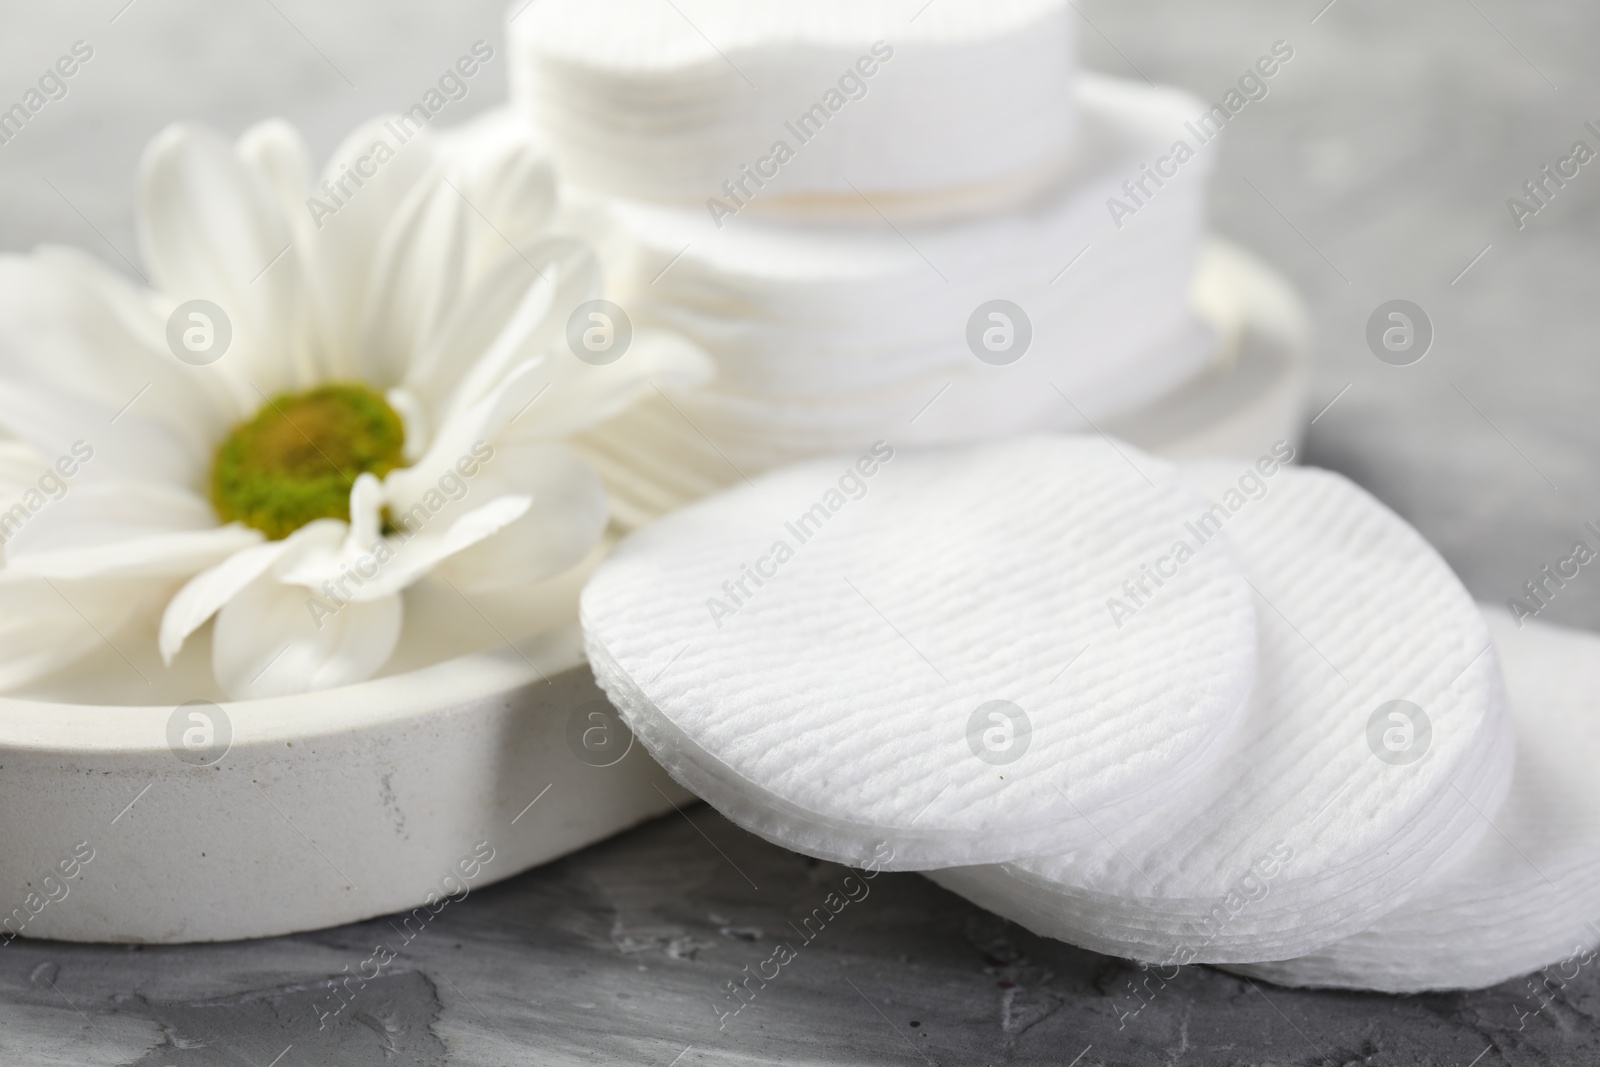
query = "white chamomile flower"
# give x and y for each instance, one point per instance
(374, 386)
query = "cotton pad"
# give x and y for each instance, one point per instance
(913, 648)
(828, 337)
(776, 105)
(1376, 740)
(1529, 895)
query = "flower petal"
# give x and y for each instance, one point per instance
(582, 395)
(207, 592)
(170, 555)
(20, 470)
(566, 520)
(401, 560)
(516, 312)
(119, 530)
(267, 642)
(482, 211)
(211, 229)
(503, 168)
(366, 511)
(352, 214)
(45, 626)
(419, 278)
(70, 326)
(462, 442)
(105, 513)
(277, 154)
(551, 397)
(106, 448)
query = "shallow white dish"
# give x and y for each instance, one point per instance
(327, 808)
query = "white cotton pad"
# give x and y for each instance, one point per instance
(1325, 812)
(943, 107)
(929, 653)
(1529, 895)
(827, 337)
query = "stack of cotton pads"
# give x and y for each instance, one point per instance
(1227, 713)
(882, 218)
(931, 106)
(831, 336)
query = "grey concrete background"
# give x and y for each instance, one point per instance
(1378, 168)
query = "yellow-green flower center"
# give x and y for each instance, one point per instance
(296, 459)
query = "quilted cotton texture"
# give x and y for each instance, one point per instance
(1528, 897)
(845, 702)
(667, 101)
(1303, 834)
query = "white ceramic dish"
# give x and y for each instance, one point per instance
(326, 808)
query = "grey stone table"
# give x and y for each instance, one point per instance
(619, 955)
(1378, 168)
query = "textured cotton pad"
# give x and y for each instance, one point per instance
(915, 649)
(1529, 895)
(951, 106)
(1332, 803)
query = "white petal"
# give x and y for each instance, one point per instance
(324, 561)
(71, 326)
(169, 555)
(344, 253)
(268, 642)
(414, 421)
(582, 395)
(401, 560)
(462, 441)
(45, 626)
(118, 530)
(107, 513)
(418, 281)
(131, 447)
(472, 225)
(503, 168)
(552, 397)
(366, 508)
(515, 313)
(20, 470)
(206, 593)
(277, 154)
(565, 521)
(211, 229)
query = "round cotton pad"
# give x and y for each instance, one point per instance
(917, 649)
(1529, 895)
(1376, 734)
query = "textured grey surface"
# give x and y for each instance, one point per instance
(619, 956)
(1378, 168)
